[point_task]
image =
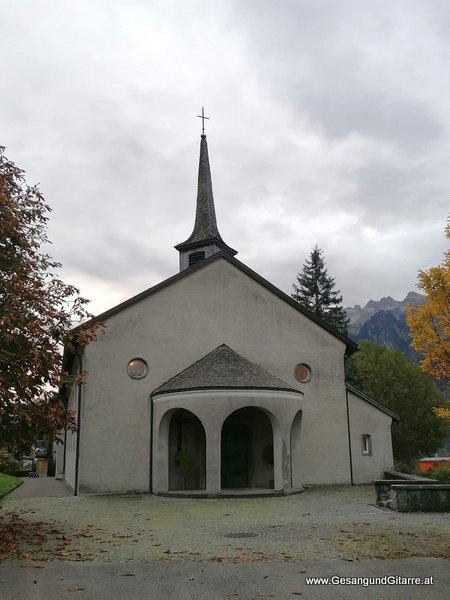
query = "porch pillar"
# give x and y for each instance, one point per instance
(282, 458)
(160, 454)
(213, 461)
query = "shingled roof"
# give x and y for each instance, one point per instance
(205, 227)
(223, 368)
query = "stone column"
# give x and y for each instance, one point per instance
(213, 460)
(160, 454)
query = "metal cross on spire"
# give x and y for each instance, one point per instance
(202, 117)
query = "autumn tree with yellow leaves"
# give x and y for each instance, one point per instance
(429, 324)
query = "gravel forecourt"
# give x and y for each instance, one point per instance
(322, 523)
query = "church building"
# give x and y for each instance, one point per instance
(215, 382)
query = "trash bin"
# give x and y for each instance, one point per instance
(42, 466)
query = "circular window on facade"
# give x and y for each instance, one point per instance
(302, 373)
(137, 368)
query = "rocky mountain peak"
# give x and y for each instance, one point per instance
(384, 322)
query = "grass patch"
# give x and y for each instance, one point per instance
(8, 483)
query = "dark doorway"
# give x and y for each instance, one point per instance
(247, 450)
(235, 442)
(187, 452)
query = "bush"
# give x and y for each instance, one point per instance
(441, 473)
(8, 464)
(406, 466)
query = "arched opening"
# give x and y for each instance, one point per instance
(187, 452)
(247, 450)
(296, 458)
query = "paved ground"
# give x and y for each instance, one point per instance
(213, 581)
(181, 546)
(41, 487)
(323, 523)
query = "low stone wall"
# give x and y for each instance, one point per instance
(385, 495)
(412, 495)
(395, 475)
(383, 489)
(433, 497)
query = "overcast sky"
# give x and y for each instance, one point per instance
(329, 124)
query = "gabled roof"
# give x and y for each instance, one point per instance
(369, 400)
(351, 345)
(223, 368)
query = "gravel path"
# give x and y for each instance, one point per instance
(323, 523)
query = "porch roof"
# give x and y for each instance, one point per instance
(223, 368)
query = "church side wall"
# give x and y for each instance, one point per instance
(366, 419)
(71, 441)
(115, 424)
(177, 326)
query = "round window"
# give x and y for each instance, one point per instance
(302, 373)
(137, 368)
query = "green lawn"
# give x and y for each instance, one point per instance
(8, 483)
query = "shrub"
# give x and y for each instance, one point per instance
(8, 464)
(441, 473)
(405, 466)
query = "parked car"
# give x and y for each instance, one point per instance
(40, 449)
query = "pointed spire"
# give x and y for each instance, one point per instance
(205, 227)
(205, 232)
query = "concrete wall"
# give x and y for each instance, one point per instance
(209, 250)
(58, 456)
(177, 326)
(365, 419)
(423, 498)
(71, 441)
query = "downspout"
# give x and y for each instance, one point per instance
(349, 439)
(77, 456)
(150, 489)
(347, 355)
(65, 451)
(291, 462)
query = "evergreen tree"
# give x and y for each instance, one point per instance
(315, 291)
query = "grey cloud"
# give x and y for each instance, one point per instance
(375, 113)
(327, 119)
(349, 67)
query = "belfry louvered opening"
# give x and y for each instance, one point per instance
(196, 257)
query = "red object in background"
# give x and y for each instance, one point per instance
(429, 463)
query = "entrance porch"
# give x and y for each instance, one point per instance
(226, 443)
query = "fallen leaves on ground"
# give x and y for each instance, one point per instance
(25, 539)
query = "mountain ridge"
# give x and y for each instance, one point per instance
(384, 322)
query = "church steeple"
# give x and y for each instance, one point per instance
(205, 238)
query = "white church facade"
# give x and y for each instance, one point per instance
(214, 382)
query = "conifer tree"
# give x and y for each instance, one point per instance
(315, 291)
